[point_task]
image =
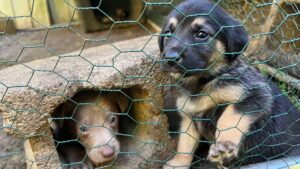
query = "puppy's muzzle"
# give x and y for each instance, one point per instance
(172, 56)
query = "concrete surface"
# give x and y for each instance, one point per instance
(32, 91)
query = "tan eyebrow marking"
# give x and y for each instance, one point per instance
(173, 21)
(198, 21)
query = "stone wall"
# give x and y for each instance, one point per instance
(31, 92)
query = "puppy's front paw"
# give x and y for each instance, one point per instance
(222, 152)
(179, 162)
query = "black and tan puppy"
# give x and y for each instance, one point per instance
(220, 97)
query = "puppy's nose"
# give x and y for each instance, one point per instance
(172, 55)
(107, 152)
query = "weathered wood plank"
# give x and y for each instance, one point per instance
(60, 11)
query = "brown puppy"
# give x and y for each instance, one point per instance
(86, 128)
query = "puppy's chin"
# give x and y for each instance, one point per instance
(175, 75)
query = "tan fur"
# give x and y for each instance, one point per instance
(176, 76)
(97, 119)
(232, 125)
(220, 47)
(187, 144)
(219, 50)
(217, 61)
(198, 21)
(173, 21)
(228, 94)
(189, 135)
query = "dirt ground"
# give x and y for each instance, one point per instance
(31, 45)
(26, 46)
(11, 151)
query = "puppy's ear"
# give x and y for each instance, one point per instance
(62, 111)
(56, 124)
(237, 40)
(123, 102)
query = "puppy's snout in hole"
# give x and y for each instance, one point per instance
(108, 152)
(102, 154)
(95, 126)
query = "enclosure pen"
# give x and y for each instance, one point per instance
(51, 51)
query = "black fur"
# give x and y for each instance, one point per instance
(225, 27)
(276, 131)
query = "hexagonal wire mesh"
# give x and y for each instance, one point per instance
(103, 112)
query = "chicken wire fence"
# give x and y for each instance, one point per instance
(274, 33)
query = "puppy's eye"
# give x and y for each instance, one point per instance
(202, 35)
(83, 128)
(113, 119)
